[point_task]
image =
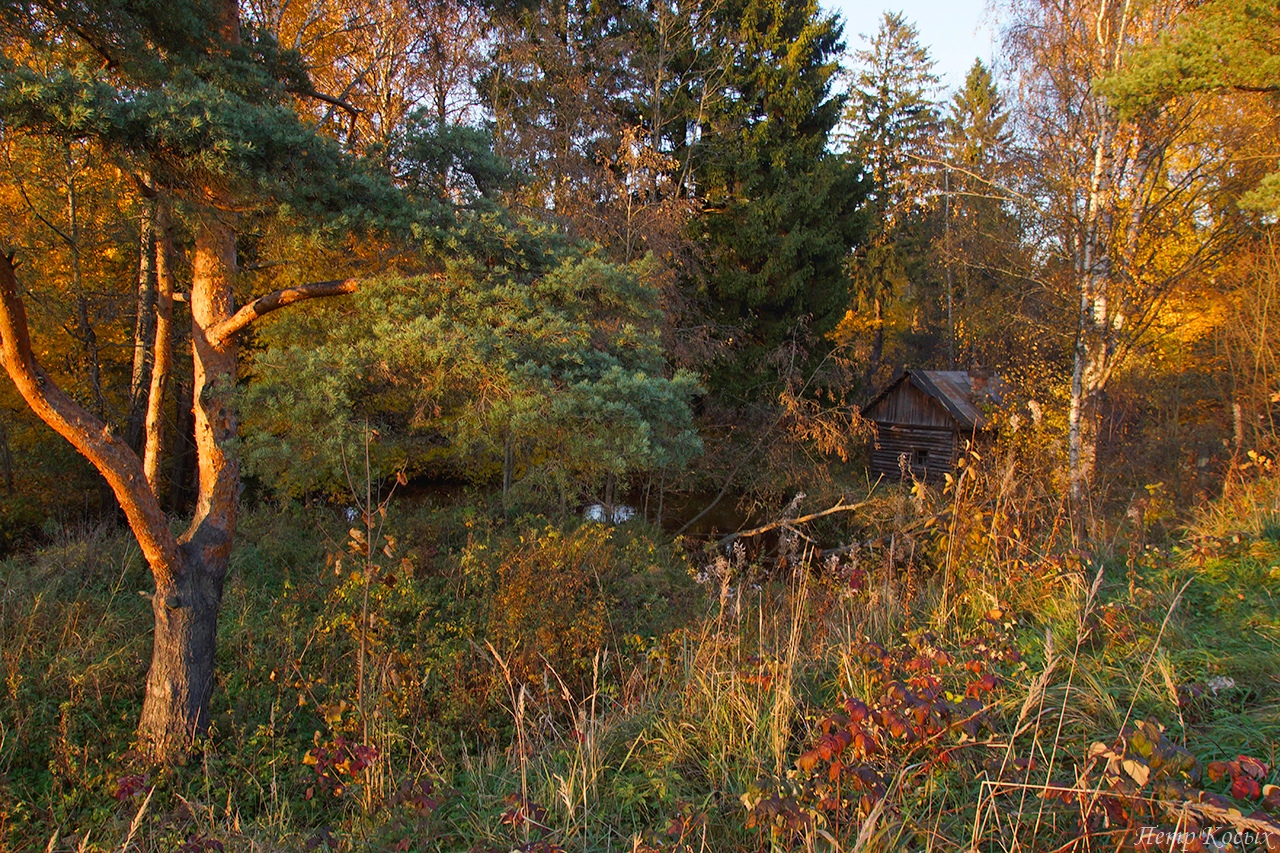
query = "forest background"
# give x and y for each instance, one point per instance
(525, 258)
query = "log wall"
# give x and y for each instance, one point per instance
(930, 451)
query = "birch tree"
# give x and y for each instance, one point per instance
(1128, 206)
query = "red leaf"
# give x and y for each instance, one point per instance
(1214, 800)
(129, 786)
(843, 738)
(919, 663)
(1253, 767)
(985, 684)
(834, 721)
(1245, 788)
(856, 710)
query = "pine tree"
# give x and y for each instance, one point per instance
(181, 92)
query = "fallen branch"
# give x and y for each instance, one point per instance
(884, 538)
(791, 522)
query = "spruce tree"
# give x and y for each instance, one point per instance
(980, 235)
(892, 116)
(892, 131)
(779, 212)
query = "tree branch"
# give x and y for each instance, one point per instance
(329, 99)
(791, 522)
(343, 97)
(238, 321)
(87, 433)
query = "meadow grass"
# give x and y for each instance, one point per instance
(668, 698)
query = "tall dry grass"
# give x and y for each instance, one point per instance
(693, 737)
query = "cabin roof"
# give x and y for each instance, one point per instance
(960, 392)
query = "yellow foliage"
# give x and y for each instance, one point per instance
(550, 607)
(851, 327)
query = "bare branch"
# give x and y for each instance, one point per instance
(791, 522)
(330, 99)
(87, 433)
(350, 86)
(31, 205)
(240, 320)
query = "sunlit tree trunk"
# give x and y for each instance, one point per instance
(144, 325)
(1093, 269)
(180, 682)
(162, 344)
(190, 570)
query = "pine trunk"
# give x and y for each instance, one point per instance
(190, 570)
(143, 327)
(180, 681)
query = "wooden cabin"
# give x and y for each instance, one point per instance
(925, 416)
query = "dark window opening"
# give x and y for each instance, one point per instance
(920, 458)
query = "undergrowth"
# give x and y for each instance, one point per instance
(967, 675)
